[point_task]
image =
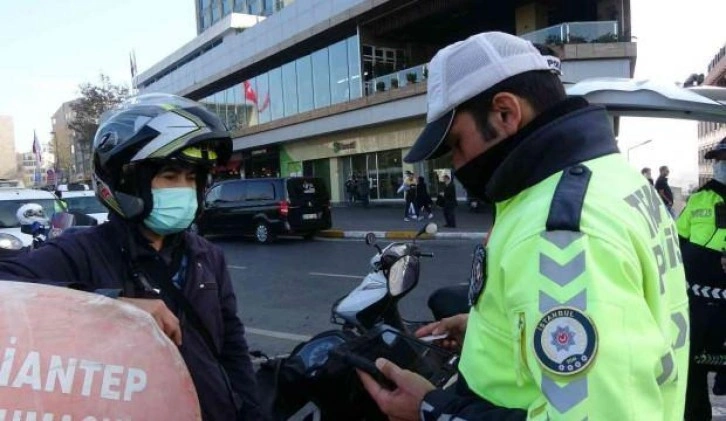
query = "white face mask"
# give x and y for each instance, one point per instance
(719, 171)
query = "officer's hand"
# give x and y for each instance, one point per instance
(455, 326)
(166, 320)
(403, 403)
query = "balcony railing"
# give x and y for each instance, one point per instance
(395, 80)
(576, 33)
(564, 33)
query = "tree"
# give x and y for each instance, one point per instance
(94, 101)
(87, 110)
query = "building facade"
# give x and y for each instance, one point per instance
(210, 12)
(709, 134)
(8, 159)
(332, 88)
(62, 141)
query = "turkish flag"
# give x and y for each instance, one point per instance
(250, 94)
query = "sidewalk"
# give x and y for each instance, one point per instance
(387, 222)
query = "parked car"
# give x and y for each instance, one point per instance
(85, 201)
(266, 207)
(11, 199)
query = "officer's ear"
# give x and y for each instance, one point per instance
(509, 113)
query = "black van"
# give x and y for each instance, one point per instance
(266, 207)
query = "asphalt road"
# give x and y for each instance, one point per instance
(285, 290)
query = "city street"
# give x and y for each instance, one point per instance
(285, 290)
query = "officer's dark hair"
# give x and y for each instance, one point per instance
(663, 168)
(540, 88)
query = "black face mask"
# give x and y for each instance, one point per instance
(475, 174)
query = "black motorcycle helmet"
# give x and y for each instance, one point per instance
(146, 133)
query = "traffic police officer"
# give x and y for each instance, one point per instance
(702, 228)
(581, 311)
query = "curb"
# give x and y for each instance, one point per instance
(402, 235)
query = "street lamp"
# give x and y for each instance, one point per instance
(635, 146)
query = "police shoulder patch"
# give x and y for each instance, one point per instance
(565, 341)
(477, 278)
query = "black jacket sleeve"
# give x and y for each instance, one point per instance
(465, 406)
(235, 356)
(59, 262)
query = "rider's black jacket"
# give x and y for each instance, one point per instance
(96, 259)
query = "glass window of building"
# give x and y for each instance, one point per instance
(269, 7)
(339, 86)
(277, 104)
(355, 81)
(289, 82)
(220, 101)
(263, 97)
(304, 69)
(240, 6)
(254, 7)
(216, 15)
(321, 78)
(389, 173)
(226, 7)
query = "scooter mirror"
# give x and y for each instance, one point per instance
(10, 242)
(403, 276)
(371, 239)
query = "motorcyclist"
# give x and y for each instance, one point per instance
(702, 231)
(151, 157)
(579, 309)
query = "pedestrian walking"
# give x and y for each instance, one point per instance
(363, 189)
(423, 199)
(408, 188)
(449, 202)
(664, 189)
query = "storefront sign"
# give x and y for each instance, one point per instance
(76, 356)
(340, 146)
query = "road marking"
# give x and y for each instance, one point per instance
(277, 335)
(335, 275)
(236, 267)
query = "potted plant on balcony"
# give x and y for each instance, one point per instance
(380, 86)
(411, 77)
(606, 38)
(394, 83)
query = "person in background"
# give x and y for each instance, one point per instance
(702, 232)
(363, 189)
(450, 202)
(664, 190)
(646, 173)
(409, 193)
(423, 199)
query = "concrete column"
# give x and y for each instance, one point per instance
(530, 17)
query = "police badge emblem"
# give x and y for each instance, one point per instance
(565, 341)
(477, 279)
